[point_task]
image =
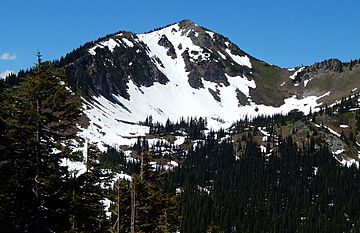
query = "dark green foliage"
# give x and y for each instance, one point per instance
(36, 118)
(116, 161)
(292, 191)
(156, 210)
(192, 127)
(268, 120)
(289, 190)
(12, 79)
(88, 214)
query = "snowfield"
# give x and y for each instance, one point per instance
(118, 124)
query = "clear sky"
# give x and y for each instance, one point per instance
(282, 32)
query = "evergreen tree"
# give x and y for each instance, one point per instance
(39, 115)
(88, 191)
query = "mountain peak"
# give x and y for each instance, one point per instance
(187, 23)
(186, 70)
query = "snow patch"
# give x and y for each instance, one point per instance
(239, 83)
(128, 42)
(6, 73)
(263, 149)
(316, 169)
(106, 124)
(210, 34)
(266, 135)
(222, 55)
(296, 73)
(332, 131)
(78, 168)
(106, 202)
(340, 151)
(179, 140)
(122, 176)
(264, 132)
(350, 163)
(110, 44)
(307, 81)
(203, 189)
(241, 60)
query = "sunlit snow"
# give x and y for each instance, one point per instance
(306, 82)
(241, 60)
(350, 162)
(118, 123)
(296, 73)
(210, 34)
(222, 55)
(4, 74)
(128, 42)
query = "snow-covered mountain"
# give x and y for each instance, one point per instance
(184, 70)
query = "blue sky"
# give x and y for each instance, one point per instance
(284, 33)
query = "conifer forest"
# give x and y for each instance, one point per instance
(224, 182)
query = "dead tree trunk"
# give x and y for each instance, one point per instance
(133, 202)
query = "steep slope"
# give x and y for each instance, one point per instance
(337, 127)
(340, 79)
(182, 70)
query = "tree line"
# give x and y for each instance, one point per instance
(291, 189)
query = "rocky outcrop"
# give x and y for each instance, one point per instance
(164, 41)
(107, 71)
(210, 65)
(328, 65)
(331, 65)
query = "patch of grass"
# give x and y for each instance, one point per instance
(268, 79)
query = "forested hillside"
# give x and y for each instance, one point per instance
(270, 174)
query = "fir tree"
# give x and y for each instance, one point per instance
(37, 122)
(88, 190)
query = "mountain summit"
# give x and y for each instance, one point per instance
(185, 70)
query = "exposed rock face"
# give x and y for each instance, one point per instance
(198, 59)
(107, 72)
(243, 100)
(331, 65)
(210, 65)
(164, 41)
(107, 66)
